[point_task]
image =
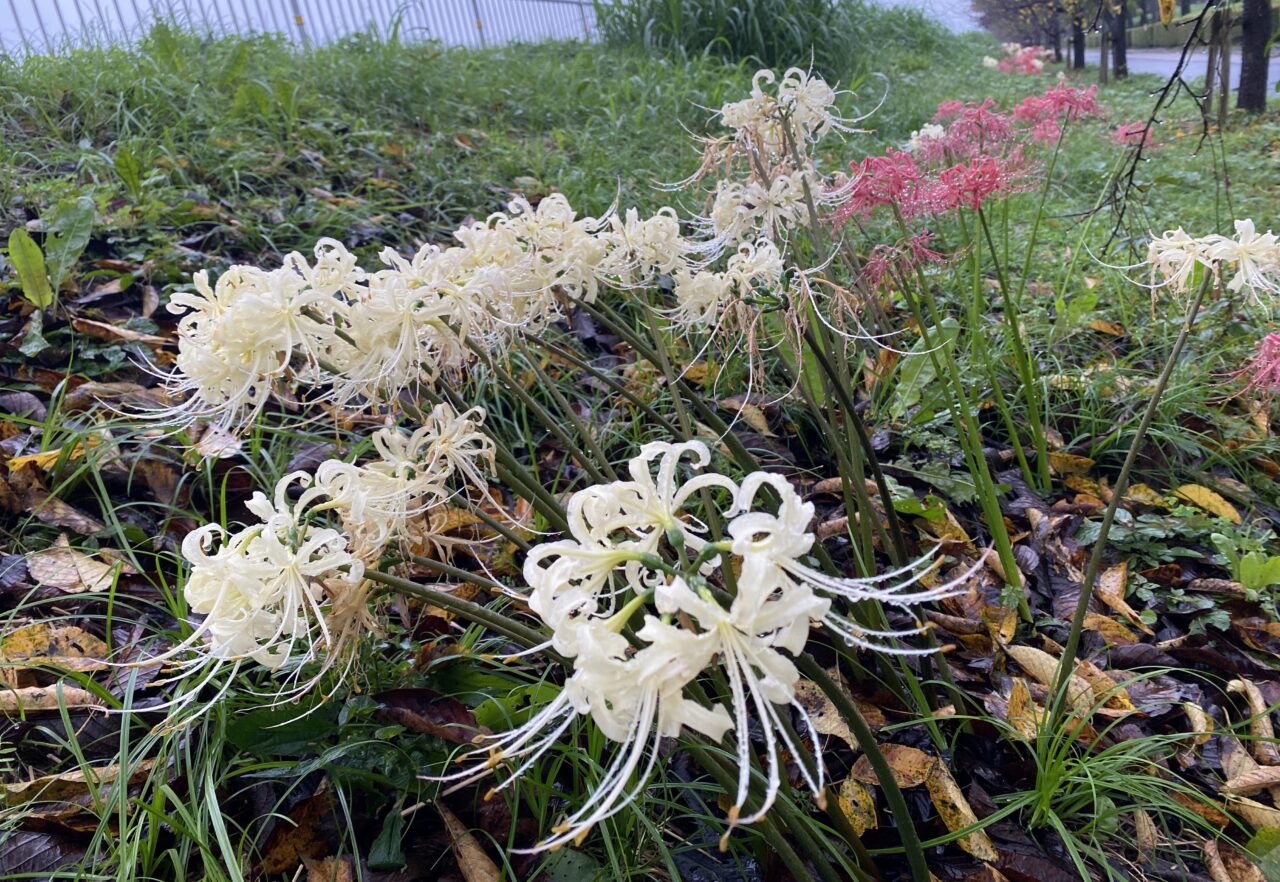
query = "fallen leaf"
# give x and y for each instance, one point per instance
(1042, 668)
(858, 805)
(1203, 497)
(1111, 630)
(70, 570)
(822, 713)
(1201, 723)
(46, 460)
(910, 766)
(331, 869)
(72, 786)
(1111, 587)
(1110, 328)
(473, 862)
(304, 833)
(1146, 834)
(114, 333)
(1262, 733)
(1259, 779)
(429, 712)
(31, 699)
(67, 647)
(751, 414)
(1070, 463)
(1024, 714)
(1258, 816)
(957, 814)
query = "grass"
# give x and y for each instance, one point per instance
(200, 153)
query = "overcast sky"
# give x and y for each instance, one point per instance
(452, 21)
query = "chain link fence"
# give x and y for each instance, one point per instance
(48, 26)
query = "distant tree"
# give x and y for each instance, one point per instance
(1255, 21)
(1116, 18)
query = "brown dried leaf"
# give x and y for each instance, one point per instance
(70, 570)
(1201, 723)
(1146, 833)
(1261, 778)
(1256, 814)
(1042, 668)
(957, 814)
(858, 805)
(1263, 733)
(822, 713)
(305, 833)
(1024, 714)
(72, 786)
(1111, 588)
(473, 862)
(115, 334)
(331, 869)
(32, 699)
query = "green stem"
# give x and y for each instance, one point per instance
(884, 774)
(1066, 664)
(494, 621)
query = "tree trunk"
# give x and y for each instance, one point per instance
(1224, 72)
(1145, 16)
(1077, 43)
(1104, 57)
(1186, 7)
(1119, 42)
(1055, 37)
(1255, 21)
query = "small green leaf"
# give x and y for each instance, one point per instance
(69, 231)
(1258, 571)
(129, 168)
(34, 342)
(386, 853)
(28, 262)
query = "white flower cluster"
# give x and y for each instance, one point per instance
(364, 337)
(617, 565)
(774, 132)
(921, 136)
(269, 591)
(1255, 257)
(702, 295)
(260, 590)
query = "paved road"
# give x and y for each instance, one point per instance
(1163, 61)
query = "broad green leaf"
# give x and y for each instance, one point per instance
(69, 231)
(28, 262)
(387, 853)
(916, 371)
(1258, 571)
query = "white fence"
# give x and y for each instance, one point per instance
(43, 26)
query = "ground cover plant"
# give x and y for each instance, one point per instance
(423, 463)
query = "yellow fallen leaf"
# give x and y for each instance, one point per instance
(1111, 630)
(1110, 328)
(73, 785)
(957, 814)
(1111, 588)
(45, 698)
(858, 805)
(822, 713)
(474, 863)
(68, 647)
(45, 461)
(69, 569)
(1024, 714)
(1042, 668)
(1203, 497)
(1069, 463)
(910, 766)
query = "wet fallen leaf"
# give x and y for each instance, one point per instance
(1110, 328)
(1112, 631)
(1201, 723)
(1262, 733)
(429, 712)
(46, 459)
(1141, 494)
(331, 869)
(304, 833)
(1111, 588)
(67, 647)
(1146, 833)
(474, 864)
(1257, 815)
(957, 814)
(70, 570)
(822, 713)
(1024, 714)
(909, 765)
(31, 699)
(1070, 463)
(1042, 668)
(858, 805)
(1203, 497)
(751, 414)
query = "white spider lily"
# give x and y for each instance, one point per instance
(636, 695)
(1256, 257)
